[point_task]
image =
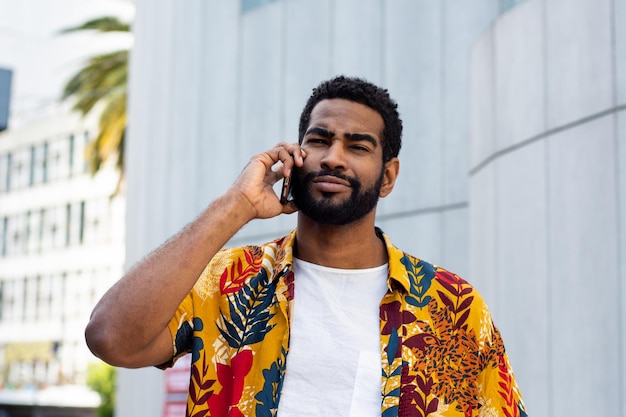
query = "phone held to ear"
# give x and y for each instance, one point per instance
(284, 194)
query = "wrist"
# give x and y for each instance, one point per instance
(240, 205)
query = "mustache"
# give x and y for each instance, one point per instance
(332, 173)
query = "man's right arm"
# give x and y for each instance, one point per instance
(129, 325)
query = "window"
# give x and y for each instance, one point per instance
(57, 229)
(4, 172)
(81, 223)
(33, 162)
(68, 223)
(86, 140)
(44, 163)
(37, 306)
(37, 164)
(58, 166)
(7, 183)
(42, 225)
(71, 145)
(14, 235)
(5, 232)
(19, 169)
(44, 297)
(27, 232)
(46, 231)
(7, 299)
(26, 299)
(34, 226)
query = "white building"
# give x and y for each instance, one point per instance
(61, 233)
(61, 247)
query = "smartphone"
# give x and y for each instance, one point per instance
(284, 194)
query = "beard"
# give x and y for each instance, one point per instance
(324, 210)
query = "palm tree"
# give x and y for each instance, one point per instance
(103, 82)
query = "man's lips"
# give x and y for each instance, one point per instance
(330, 184)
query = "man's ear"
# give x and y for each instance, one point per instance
(390, 174)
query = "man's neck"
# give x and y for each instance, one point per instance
(351, 246)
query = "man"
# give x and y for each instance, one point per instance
(306, 324)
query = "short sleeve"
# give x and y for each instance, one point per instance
(181, 330)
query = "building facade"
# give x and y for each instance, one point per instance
(61, 247)
(61, 235)
(547, 181)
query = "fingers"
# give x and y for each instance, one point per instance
(256, 181)
(289, 154)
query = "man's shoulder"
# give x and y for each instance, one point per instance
(232, 268)
(253, 250)
(442, 296)
(422, 267)
(421, 276)
(416, 266)
(273, 256)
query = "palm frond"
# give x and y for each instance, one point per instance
(101, 76)
(100, 24)
(109, 141)
(102, 83)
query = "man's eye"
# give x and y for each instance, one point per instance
(317, 141)
(360, 148)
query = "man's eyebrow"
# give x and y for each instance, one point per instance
(363, 136)
(325, 133)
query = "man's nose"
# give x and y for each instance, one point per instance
(334, 157)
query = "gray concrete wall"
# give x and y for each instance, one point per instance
(211, 86)
(547, 198)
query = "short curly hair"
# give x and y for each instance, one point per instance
(360, 91)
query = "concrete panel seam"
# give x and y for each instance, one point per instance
(614, 64)
(544, 135)
(620, 218)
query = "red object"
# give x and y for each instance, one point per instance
(176, 388)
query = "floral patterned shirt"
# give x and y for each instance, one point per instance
(441, 353)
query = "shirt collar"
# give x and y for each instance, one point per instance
(284, 254)
(397, 272)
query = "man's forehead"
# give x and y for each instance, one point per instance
(357, 114)
(341, 103)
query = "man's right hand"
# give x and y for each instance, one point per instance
(257, 180)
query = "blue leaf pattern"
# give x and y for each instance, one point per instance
(249, 312)
(420, 274)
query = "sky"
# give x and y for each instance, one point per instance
(41, 58)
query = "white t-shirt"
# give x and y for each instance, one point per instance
(334, 363)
